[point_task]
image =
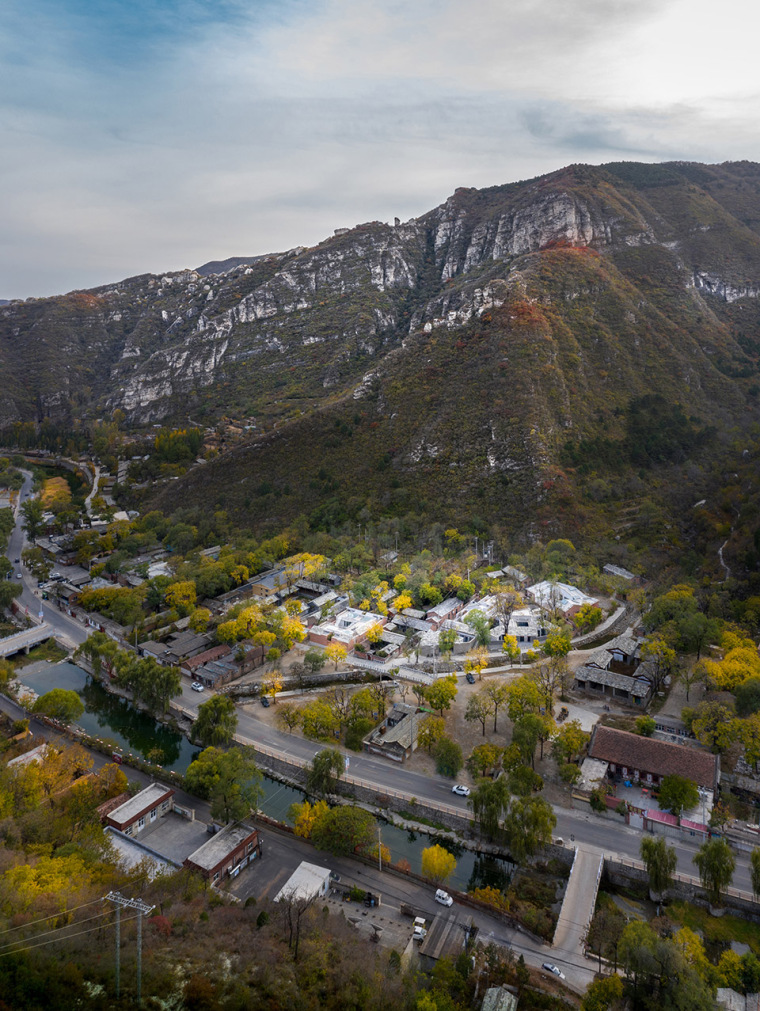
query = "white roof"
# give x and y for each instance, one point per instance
(561, 596)
(306, 881)
(141, 801)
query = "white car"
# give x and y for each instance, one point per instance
(197, 686)
(553, 969)
(443, 897)
(460, 790)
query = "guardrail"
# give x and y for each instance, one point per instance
(382, 791)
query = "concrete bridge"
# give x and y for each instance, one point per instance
(25, 640)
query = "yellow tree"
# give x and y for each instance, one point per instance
(181, 596)
(272, 685)
(305, 816)
(402, 601)
(335, 653)
(438, 864)
(374, 633)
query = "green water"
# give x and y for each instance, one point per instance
(130, 730)
(114, 719)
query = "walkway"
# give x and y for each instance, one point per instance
(578, 904)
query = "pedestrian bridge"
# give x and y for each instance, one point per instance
(25, 640)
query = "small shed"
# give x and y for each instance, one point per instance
(308, 881)
(143, 809)
(227, 852)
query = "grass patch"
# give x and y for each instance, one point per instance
(48, 650)
(722, 930)
(421, 820)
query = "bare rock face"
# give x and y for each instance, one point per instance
(319, 319)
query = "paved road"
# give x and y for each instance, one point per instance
(68, 628)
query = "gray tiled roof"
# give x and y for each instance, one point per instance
(635, 686)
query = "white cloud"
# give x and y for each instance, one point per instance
(254, 133)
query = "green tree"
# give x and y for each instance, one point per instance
(344, 830)
(59, 704)
(754, 869)
(490, 802)
(557, 644)
(438, 864)
(677, 794)
(480, 625)
(216, 722)
(32, 512)
(229, 779)
(716, 864)
(448, 757)
(645, 725)
(327, 767)
(660, 861)
(528, 825)
(447, 637)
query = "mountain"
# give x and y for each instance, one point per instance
(473, 358)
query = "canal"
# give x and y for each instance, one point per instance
(130, 730)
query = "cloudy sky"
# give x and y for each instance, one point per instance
(151, 135)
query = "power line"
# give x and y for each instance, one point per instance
(54, 930)
(54, 940)
(43, 918)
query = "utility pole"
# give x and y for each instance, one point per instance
(379, 849)
(142, 908)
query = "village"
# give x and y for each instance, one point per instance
(410, 660)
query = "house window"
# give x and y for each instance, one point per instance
(153, 814)
(250, 846)
(140, 823)
(649, 777)
(216, 875)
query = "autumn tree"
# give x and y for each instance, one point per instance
(319, 721)
(335, 653)
(569, 741)
(431, 730)
(289, 715)
(484, 759)
(497, 693)
(344, 830)
(479, 709)
(441, 693)
(438, 864)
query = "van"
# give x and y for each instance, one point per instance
(443, 897)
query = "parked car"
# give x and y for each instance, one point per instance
(197, 686)
(334, 876)
(460, 790)
(16, 561)
(443, 897)
(470, 677)
(19, 576)
(550, 967)
(265, 701)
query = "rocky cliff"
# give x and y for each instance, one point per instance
(479, 337)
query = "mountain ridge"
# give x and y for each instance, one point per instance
(476, 340)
